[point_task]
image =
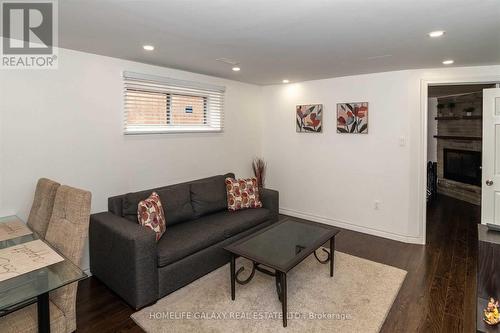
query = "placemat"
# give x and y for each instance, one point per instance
(23, 258)
(13, 229)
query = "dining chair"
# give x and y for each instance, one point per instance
(42, 206)
(66, 232)
(68, 229)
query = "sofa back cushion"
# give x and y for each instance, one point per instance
(209, 195)
(130, 202)
(176, 201)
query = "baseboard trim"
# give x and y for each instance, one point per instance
(351, 226)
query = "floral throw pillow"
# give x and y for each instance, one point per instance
(242, 193)
(150, 214)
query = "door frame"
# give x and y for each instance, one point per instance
(422, 158)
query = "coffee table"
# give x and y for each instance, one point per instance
(281, 247)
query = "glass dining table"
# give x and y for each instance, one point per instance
(34, 286)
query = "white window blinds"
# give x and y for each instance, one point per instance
(156, 104)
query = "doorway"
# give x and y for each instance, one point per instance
(454, 142)
(428, 124)
(454, 194)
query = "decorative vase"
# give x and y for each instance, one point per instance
(259, 170)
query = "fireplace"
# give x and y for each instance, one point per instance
(462, 166)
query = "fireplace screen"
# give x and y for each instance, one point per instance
(462, 166)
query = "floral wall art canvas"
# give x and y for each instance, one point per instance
(309, 118)
(352, 118)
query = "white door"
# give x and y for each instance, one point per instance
(490, 199)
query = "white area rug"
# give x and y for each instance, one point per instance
(357, 299)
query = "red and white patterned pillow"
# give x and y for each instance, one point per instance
(242, 193)
(150, 214)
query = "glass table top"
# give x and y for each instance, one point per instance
(27, 286)
(282, 245)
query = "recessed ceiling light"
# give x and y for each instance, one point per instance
(236, 69)
(448, 62)
(286, 81)
(437, 33)
(148, 47)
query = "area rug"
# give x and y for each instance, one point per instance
(357, 299)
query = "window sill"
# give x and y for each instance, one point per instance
(142, 131)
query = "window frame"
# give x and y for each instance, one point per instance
(194, 89)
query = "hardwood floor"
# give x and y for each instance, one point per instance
(439, 291)
(438, 294)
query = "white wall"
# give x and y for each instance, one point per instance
(66, 124)
(335, 178)
(432, 129)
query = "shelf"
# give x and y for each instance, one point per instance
(447, 118)
(458, 118)
(451, 137)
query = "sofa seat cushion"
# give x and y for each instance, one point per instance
(235, 222)
(187, 238)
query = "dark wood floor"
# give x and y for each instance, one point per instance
(437, 295)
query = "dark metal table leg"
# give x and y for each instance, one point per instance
(249, 278)
(283, 297)
(233, 276)
(332, 254)
(278, 285)
(327, 258)
(43, 313)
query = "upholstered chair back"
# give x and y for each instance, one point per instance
(42, 206)
(67, 231)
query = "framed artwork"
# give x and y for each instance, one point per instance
(352, 118)
(309, 118)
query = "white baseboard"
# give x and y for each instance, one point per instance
(351, 226)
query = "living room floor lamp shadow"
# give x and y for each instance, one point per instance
(352, 118)
(309, 118)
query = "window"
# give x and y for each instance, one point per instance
(163, 105)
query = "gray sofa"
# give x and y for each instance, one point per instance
(126, 257)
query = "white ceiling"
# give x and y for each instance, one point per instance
(294, 39)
